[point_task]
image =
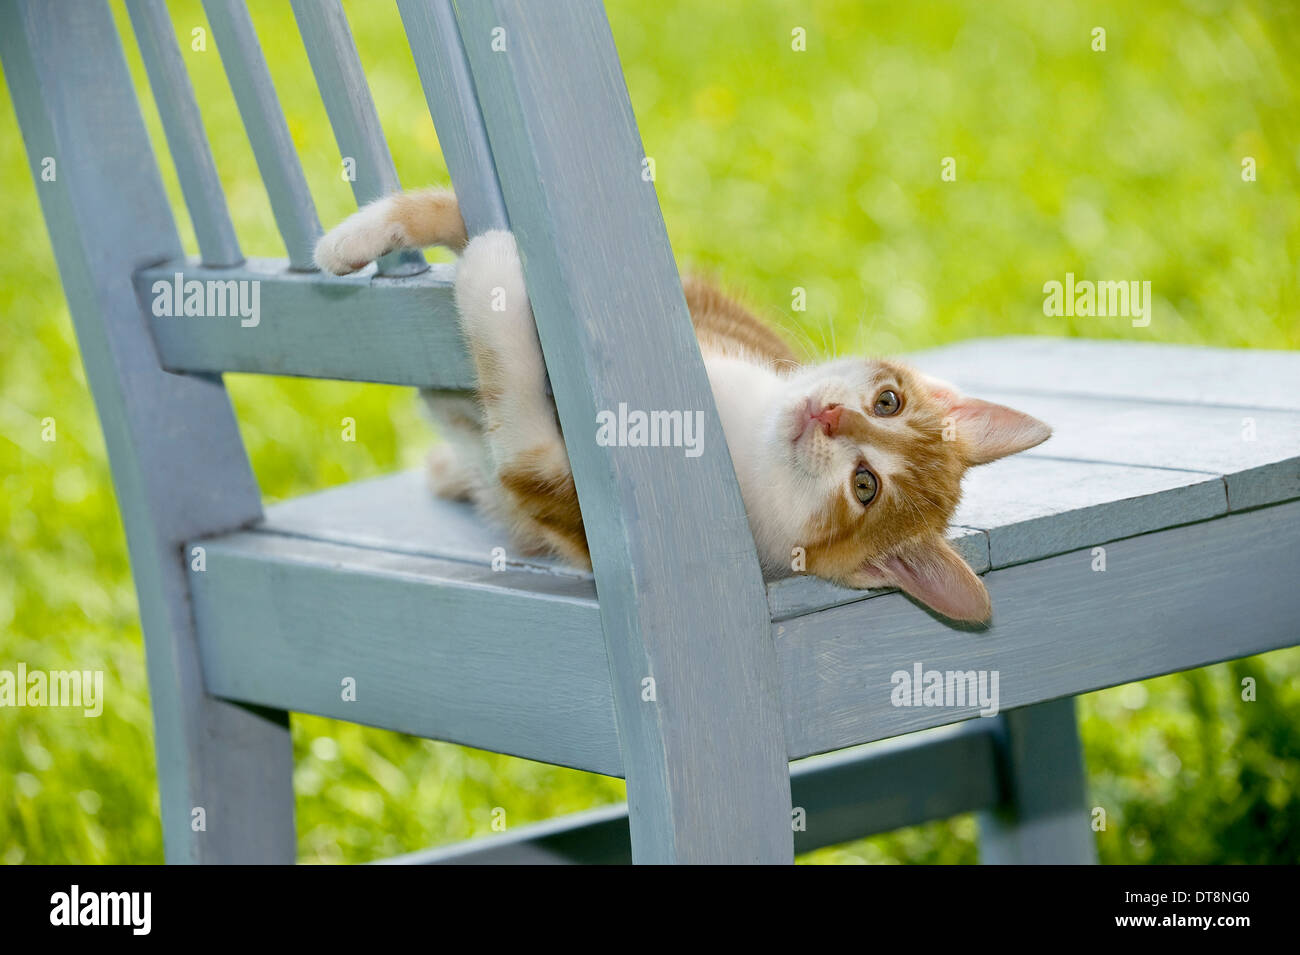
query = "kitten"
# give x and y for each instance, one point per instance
(858, 461)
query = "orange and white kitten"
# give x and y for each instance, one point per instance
(858, 461)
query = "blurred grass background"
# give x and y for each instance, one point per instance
(775, 169)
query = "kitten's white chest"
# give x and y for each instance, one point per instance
(744, 393)
(748, 396)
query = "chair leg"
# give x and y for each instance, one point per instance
(226, 790)
(179, 468)
(1044, 817)
(708, 780)
(684, 818)
(225, 770)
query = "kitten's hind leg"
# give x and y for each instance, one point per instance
(528, 456)
(458, 466)
(449, 476)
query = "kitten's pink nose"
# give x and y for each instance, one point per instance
(829, 418)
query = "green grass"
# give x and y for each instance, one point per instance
(776, 169)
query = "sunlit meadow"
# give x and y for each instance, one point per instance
(776, 168)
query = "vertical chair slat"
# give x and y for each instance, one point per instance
(435, 42)
(351, 109)
(277, 159)
(183, 126)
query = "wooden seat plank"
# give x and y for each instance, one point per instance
(399, 513)
(1033, 508)
(1186, 374)
(1256, 451)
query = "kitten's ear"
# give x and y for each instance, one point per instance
(987, 431)
(935, 574)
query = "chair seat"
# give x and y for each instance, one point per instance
(381, 581)
(400, 514)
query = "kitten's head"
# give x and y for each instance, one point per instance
(863, 460)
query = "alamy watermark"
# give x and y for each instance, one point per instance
(922, 687)
(130, 909)
(62, 688)
(209, 298)
(651, 429)
(1089, 299)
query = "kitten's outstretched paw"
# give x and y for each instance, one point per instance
(358, 240)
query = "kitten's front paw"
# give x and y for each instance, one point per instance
(358, 240)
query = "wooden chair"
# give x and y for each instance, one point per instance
(1180, 462)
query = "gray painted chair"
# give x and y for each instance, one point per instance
(376, 604)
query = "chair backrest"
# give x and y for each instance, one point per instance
(538, 133)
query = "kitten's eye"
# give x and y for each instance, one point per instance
(865, 485)
(888, 403)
